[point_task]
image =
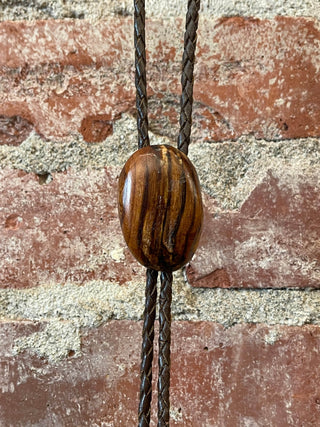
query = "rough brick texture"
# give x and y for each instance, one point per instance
(66, 230)
(273, 241)
(246, 375)
(253, 76)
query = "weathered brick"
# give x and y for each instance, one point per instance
(272, 241)
(253, 76)
(65, 230)
(96, 128)
(262, 77)
(14, 130)
(244, 375)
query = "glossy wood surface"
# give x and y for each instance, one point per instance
(160, 207)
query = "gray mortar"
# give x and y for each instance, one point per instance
(40, 156)
(98, 9)
(227, 171)
(65, 309)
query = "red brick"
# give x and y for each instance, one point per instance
(253, 76)
(64, 230)
(14, 130)
(261, 77)
(273, 241)
(96, 128)
(244, 375)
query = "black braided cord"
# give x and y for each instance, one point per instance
(140, 73)
(152, 275)
(147, 348)
(190, 40)
(164, 349)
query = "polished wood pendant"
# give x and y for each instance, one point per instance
(160, 207)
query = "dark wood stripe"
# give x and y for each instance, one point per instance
(191, 226)
(154, 235)
(143, 211)
(173, 234)
(196, 203)
(165, 219)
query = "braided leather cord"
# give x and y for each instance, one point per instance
(147, 348)
(140, 73)
(152, 275)
(164, 349)
(190, 40)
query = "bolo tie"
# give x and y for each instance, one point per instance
(160, 211)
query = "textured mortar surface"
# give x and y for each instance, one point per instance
(97, 9)
(227, 171)
(65, 309)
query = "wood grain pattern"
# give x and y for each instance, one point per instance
(160, 207)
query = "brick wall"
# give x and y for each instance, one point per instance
(246, 335)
